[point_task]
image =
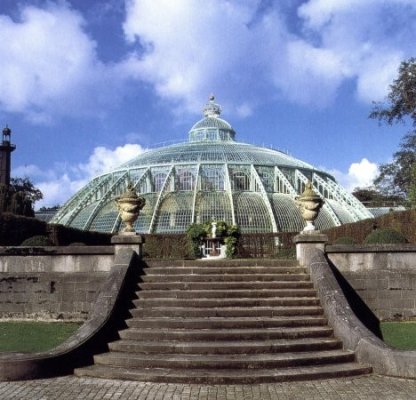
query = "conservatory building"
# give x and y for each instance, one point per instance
(211, 177)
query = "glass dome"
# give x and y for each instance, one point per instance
(211, 177)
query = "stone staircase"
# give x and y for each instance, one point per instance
(224, 323)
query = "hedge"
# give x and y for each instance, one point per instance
(401, 221)
(14, 229)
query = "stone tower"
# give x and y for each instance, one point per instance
(6, 149)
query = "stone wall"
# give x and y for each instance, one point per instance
(49, 295)
(52, 283)
(384, 276)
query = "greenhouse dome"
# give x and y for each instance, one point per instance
(211, 177)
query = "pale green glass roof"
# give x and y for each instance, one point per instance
(211, 176)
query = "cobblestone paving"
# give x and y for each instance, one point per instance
(70, 388)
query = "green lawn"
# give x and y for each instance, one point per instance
(401, 335)
(34, 336)
(42, 336)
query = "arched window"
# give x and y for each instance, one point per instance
(185, 180)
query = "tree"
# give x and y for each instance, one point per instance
(26, 186)
(372, 197)
(401, 100)
(19, 196)
(398, 178)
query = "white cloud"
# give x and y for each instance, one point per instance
(103, 159)
(193, 48)
(185, 49)
(62, 181)
(49, 65)
(233, 49)
(360, 174)
(369, 37)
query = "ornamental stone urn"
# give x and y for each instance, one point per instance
(309, 204)
(129, 205)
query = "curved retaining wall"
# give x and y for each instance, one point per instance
(355, 336)
(384, 276)
(108, 315)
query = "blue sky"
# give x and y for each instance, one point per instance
(88, 84)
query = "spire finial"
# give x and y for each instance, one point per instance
(212, 109)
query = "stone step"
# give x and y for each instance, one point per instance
(229, 361)
(225, 278)
(221, 303)
(229, 376)
(223, 323)
(206, 263)
(146, 286)
(138, 333)
(226, 347)
(187, 312)
(226, 322)
(198, 270)
(221, 293)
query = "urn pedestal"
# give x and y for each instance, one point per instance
(129, 205)
(309, 204)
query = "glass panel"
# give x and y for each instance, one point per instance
(288, 215)
(212, 177)
(266, 176)
(185, 178)
(143, 222)
(240, 178)
(82, 217)
(342, 211)
(213, 206)
(106, 218)
(251, 213)
(175, 213)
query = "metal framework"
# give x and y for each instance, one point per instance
(211, 177)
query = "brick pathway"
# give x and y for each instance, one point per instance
(70, 388)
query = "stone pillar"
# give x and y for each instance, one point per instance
(306, 241)
(128, 240)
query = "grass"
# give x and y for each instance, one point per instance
(401, 335)
(34, 336)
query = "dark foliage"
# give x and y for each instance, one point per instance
(402, 221)
(14, 229)
(27, 187)
(345, 240)
(398, 178)
(401, 98)
(38, 240)
(268, 245)
(372, 197)
(385, 236)
(173, 246)
(64, 236)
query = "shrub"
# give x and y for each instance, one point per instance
(385, 236)
(345, 240)
(38, 240)
(195, 234)
(165, 246)
(15, 228)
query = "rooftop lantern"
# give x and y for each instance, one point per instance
(6, 135)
